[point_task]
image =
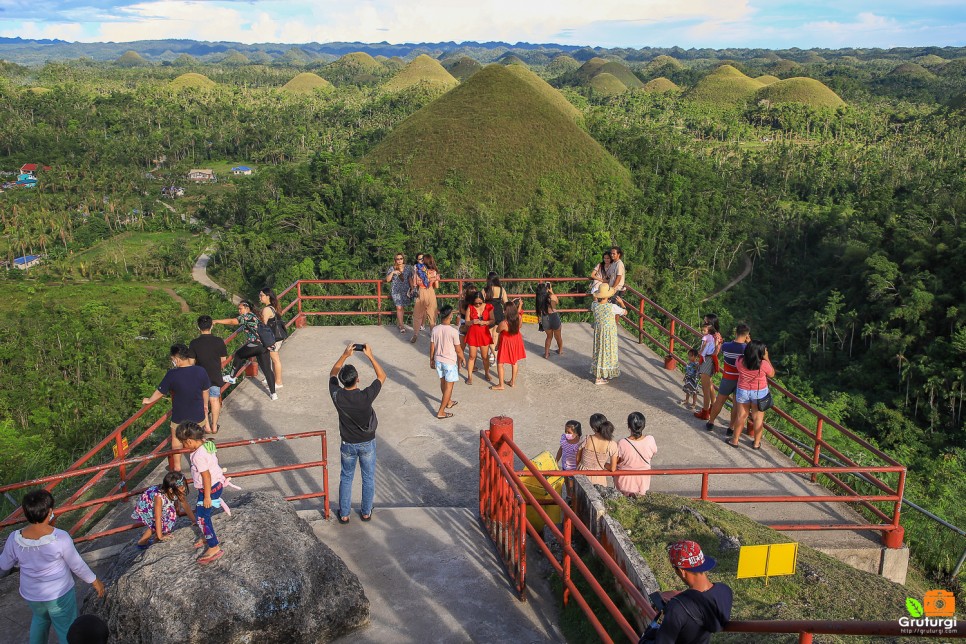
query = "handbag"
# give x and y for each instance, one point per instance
(277, 326)
(265, 335)
(765, 403)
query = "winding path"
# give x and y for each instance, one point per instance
(745, 272)
(174, 296)
(199, 273)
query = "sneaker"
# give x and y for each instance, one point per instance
(274, 396)
(263, 381)
(492, 359)
(229, 379)
(279, 385)
(709, 427)
(704, 414)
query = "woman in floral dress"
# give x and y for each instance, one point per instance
(605, 362)
(399, 277)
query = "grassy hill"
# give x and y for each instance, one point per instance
(663, 65)
(357, 68)
(497, 139)
(912, 70)
(724, 86)
(785, 68)
(607, 84)
(425, 72)
(462, 68)
(561, 65)
(622, 73)
(659, 86)
(191, 80)
(767, 79)
(546, 91)
(800, 90)
(512, 60)
(131, 59)
(587, 71)
(306, 83)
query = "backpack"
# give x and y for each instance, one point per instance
(277, 326)
(265, 335)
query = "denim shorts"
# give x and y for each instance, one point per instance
(214, 391)
(727, 387)
(750, 395)
(450, 372)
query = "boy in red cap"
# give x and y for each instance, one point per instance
(690, 617)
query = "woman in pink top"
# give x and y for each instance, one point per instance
(48, 562)
(635, 453)
(754, 369)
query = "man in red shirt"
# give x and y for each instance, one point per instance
(730, 352)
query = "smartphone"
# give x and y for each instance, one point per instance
(358, 347)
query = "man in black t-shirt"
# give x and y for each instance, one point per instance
(188, 387)
(209, 350)
(690, 617)
(357, 429)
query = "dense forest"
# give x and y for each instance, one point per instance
(851, 217)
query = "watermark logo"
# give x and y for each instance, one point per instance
(934, 615)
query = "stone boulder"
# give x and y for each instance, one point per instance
(276, 583)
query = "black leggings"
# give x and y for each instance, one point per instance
(264, 362)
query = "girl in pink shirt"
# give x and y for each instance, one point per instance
(209, 480)
(754, 369)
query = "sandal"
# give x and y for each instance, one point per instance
(412, 340)
(443, 417)
(735, 445)
(757, 446)
(366, 517)
(452, 404)
(344, 520)
(204, 561)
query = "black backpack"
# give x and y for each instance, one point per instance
(277, 325)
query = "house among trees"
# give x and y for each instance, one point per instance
(201, 176)
(31, 169)
(172, 191)
(241, 170)
(28, 261)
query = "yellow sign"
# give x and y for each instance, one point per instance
(772, 560)
(114, 447)
(529, 319)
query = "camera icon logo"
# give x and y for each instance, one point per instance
(939, 603)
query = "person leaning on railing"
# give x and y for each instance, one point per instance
(253, 348)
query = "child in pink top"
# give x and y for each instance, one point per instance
(209, 480)
(570, 443)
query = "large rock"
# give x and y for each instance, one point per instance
(276, 583)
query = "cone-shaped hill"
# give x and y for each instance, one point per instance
(724, 86)
(545, 90)
(588, 70)
(562, 64)
(306, 83)
(131, 58)
(931, 60)
(425, 72)
(660, 86)
(607, 84)
(622, 73)
(511, 59)
(497, 139)
(800, 90)
(912, 70)
(461, 68)
(663, 65)
(355, 68)
(785, 67)
(191, 81)
(767, 79)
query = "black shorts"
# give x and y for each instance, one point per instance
(550, 322)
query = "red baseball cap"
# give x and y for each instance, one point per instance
(687, 555)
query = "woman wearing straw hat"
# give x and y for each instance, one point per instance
(605, 365)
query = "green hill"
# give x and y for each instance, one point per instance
(785, 67)
(184, 60)
(660, 86)
(355, 68)
(587, 71)
(561, 65)
(724, 86)
(295, 56)
(497, 139)
(393, 64)
(607, 84)
(511, 60)
(912, 70)
(767, 79)
(812, 58)
(663, 65)
(380, 58)
(131, 59)
(622, 73)
(424, 71)
(191, 81)
(547, 92)
(462, 68)
(800, 90)
(306, 83)
(235, 58)
(932, 60)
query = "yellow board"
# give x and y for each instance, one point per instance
(526, 318)
(543, 462)
(773, 560)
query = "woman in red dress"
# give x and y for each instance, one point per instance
(479, 319)
(510, 350)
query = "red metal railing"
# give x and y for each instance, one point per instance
(505, 499)
(668, 340)
(91, 506)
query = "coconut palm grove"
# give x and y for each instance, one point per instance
(820, 193)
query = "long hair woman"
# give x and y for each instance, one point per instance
(479, 320)
(598, 277)
(549, 318)
(399, 277)
(635, 452)
(495, 297)
(599, 451)
(426, 281)
(754, 369)
(709, 364)
(270, 311)
(466, 301)
(510, 350)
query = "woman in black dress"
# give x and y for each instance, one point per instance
(496, 297)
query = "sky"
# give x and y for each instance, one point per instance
(607, 23)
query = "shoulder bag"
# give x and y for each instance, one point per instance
(277, 325)
(764, 403)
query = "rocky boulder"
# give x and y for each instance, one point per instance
(276, 583)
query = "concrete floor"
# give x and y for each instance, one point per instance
(426, 565)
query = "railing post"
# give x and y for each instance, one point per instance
(325, 474)
(893, 538)
(379, 302)
(704, 485)
(501, 430)
(640, 322)
(817, 454)
(670, 362)
(300, 318)
(567, 532)
(804, 638)
(122, 470)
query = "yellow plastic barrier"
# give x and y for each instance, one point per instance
(544, 462)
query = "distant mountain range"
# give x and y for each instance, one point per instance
(27, 51)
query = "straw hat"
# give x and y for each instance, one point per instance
(605, 292)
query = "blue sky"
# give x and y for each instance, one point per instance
(608, 23)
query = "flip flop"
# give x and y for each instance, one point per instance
(448, 415)
(758, 446)
(344, 520)
(452, 404)
(412, 340)
(735, 445)
(204, 561)
(366, 517)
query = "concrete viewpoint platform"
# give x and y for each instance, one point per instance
(428, 568)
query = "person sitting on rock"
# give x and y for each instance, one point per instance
(157, 509)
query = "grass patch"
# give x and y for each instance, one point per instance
(157, 254)
(121, 297)
(822, 589)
